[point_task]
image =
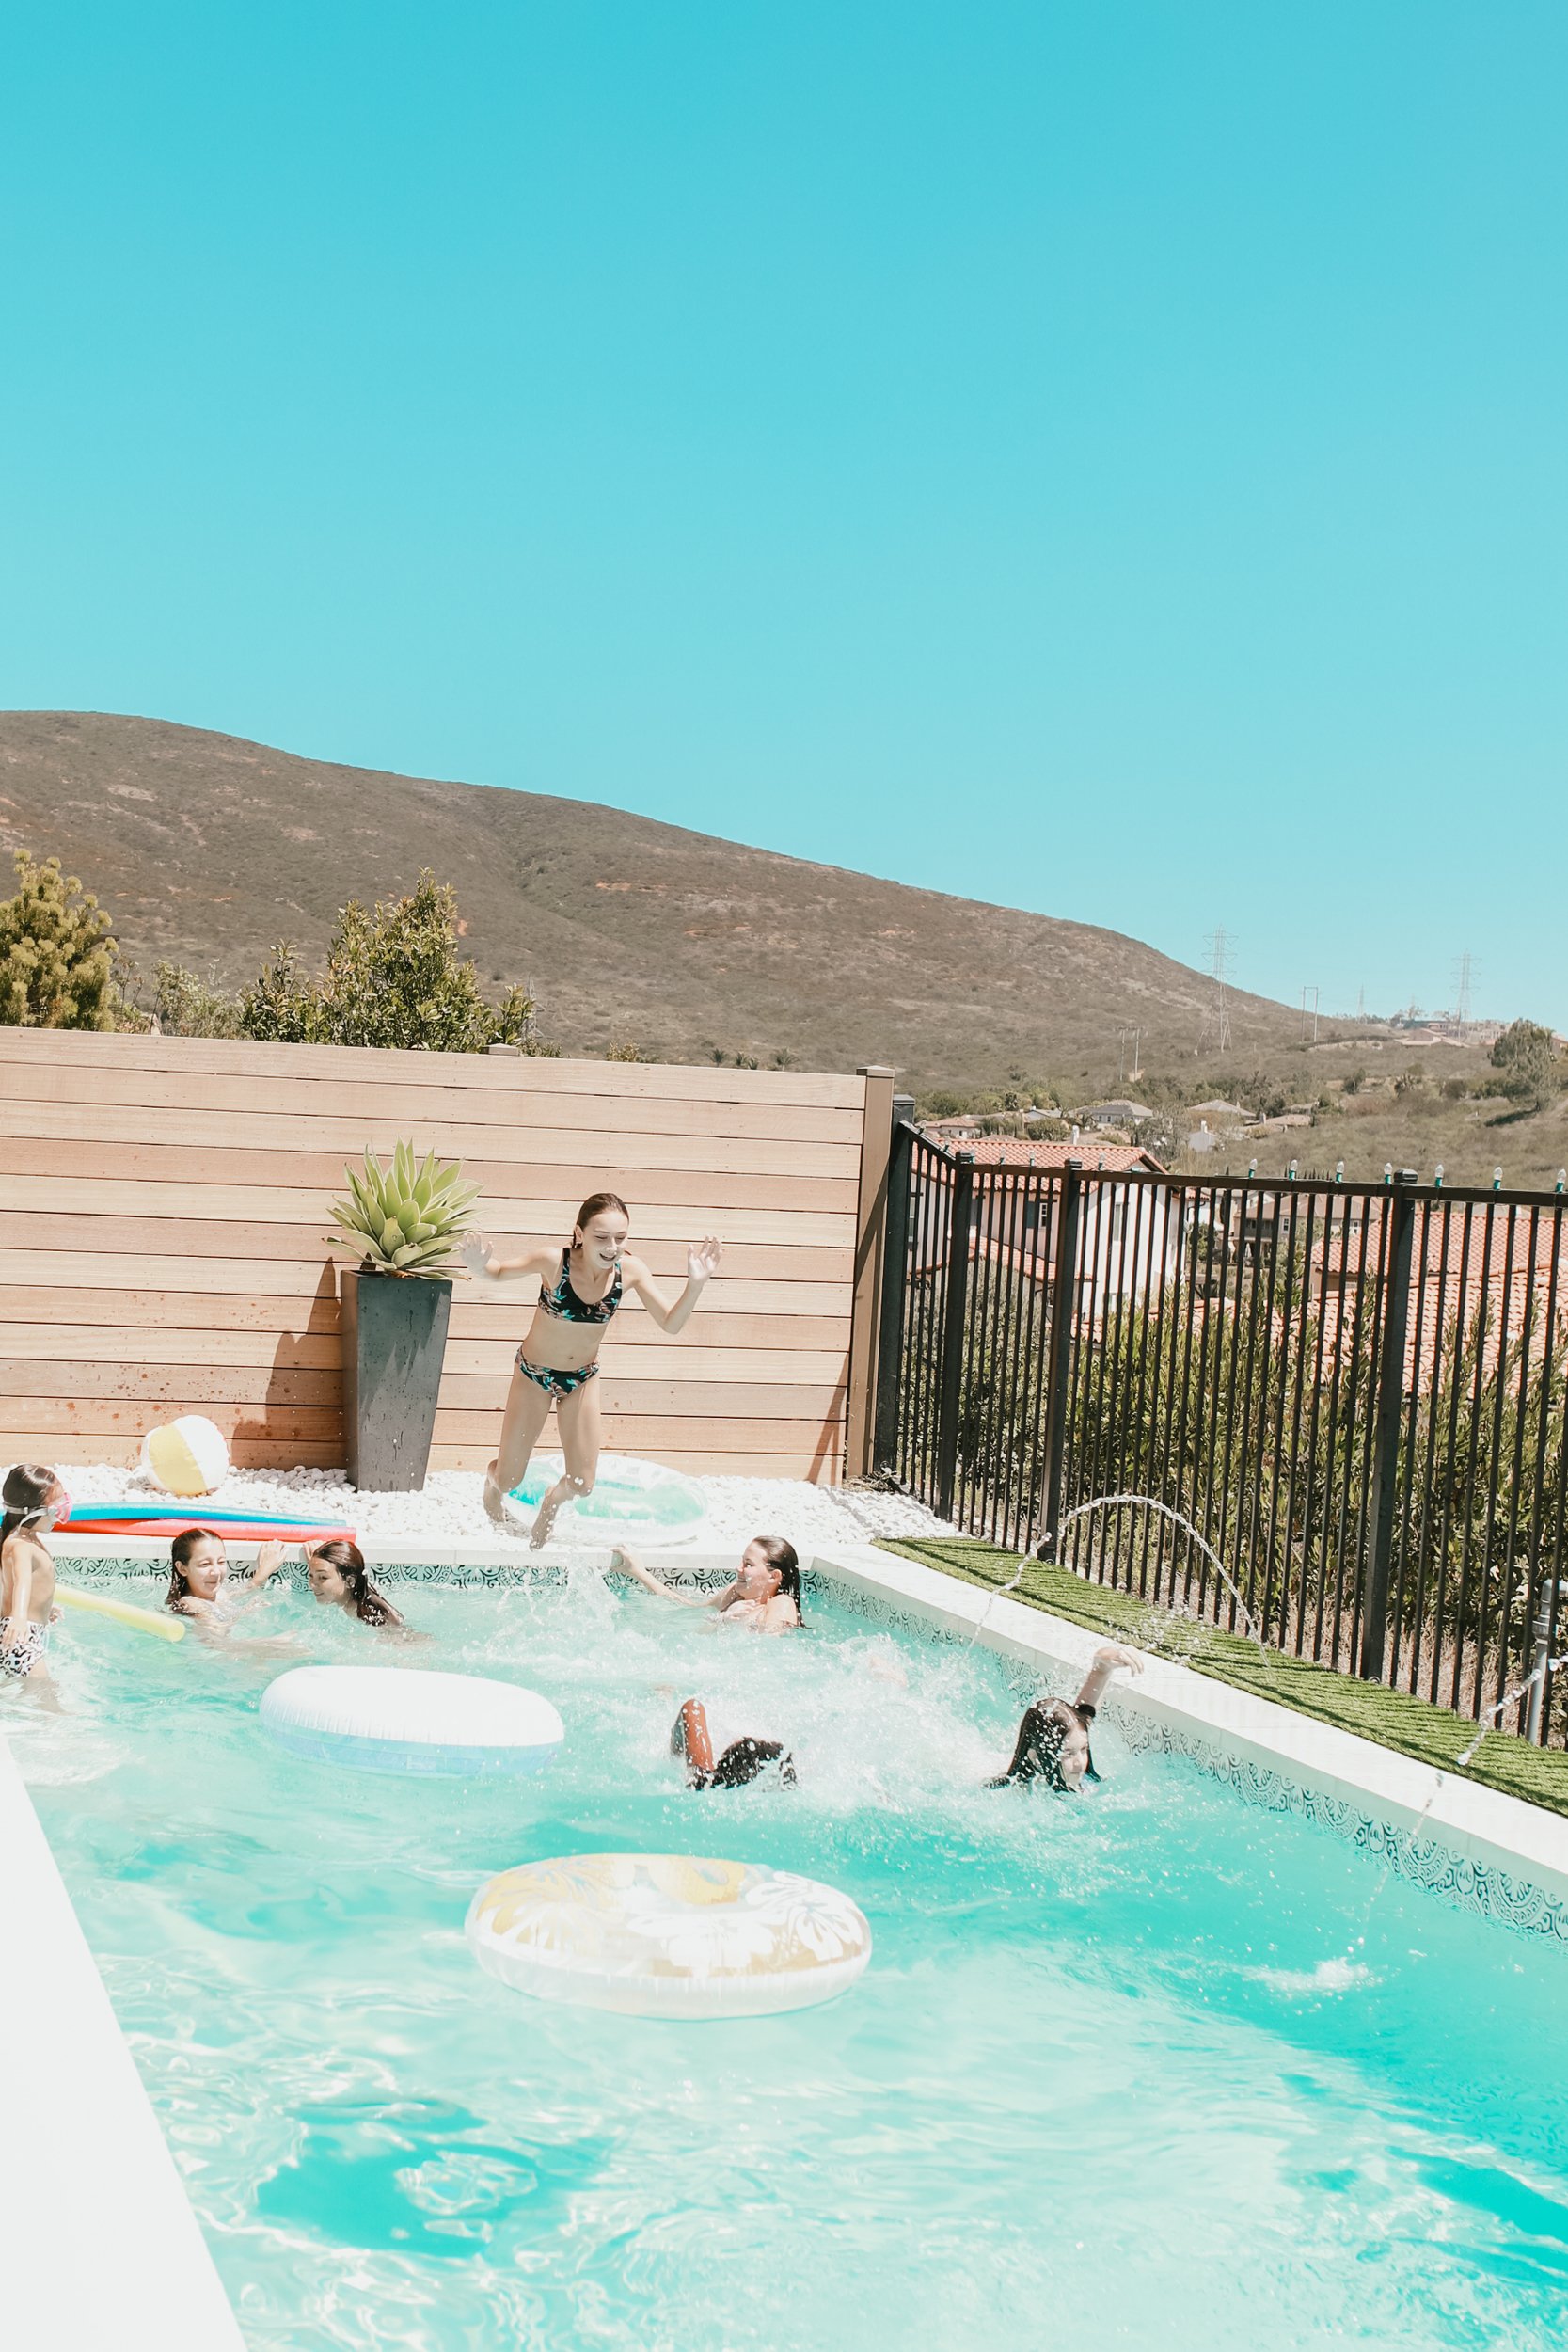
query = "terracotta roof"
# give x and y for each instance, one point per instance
(1030, 1152)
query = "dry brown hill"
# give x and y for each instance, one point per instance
(207, 850)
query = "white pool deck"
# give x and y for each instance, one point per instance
(110, 2247)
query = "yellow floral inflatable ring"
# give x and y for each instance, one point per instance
(668, 1936)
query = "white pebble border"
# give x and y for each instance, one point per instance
(449, 1508)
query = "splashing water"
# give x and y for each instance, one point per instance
(1328, 1977)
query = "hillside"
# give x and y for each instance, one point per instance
(207, 850)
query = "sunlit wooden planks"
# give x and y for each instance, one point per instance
(164, 1205)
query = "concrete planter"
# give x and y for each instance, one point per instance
(394, 1335)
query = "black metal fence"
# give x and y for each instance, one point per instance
(1356, 1396)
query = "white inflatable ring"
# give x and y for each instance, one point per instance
(646, 1503)
(668, 1936)
(389, 1719)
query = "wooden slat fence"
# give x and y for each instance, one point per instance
(162, 1214)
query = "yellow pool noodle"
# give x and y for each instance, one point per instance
(124, 1613)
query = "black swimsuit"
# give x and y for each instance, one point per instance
(562, 1302)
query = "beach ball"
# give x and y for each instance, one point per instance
(188, 1456)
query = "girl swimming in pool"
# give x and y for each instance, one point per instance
(198, 1588)
(765, 1596)
(579, 1289)
(35, 1501)
(1052, 1743)
(340, 1580)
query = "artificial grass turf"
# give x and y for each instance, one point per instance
(1411, 1726)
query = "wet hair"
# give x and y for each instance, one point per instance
(370, 1606)
(782, 1555)
(180, 1559)
(1041, 1737)
(24, 1493)
(595, 1204)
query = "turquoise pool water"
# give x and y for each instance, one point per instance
(1091, 2091)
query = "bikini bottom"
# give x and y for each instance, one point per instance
(554, 1383)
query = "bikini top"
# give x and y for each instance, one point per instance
(563, 1301)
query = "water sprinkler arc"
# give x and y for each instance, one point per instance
(1152, 1502)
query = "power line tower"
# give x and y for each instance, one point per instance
(1310, 1013)
(1463, 977)
(1217, 1020)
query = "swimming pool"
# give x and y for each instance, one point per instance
(1107, 2074)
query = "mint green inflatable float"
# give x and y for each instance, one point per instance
(635, 1503)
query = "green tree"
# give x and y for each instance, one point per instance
(185, 1004)
(56, 953)
(1529, 1061)
(394, 978)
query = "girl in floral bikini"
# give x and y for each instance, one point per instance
(579, 1289)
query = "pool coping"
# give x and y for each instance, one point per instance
(82, 2141)
(76, 2104)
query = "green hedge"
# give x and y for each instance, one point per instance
(1411, 1726)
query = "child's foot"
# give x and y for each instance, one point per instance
(500, 1507)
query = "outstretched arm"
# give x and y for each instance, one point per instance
(1103, 1664)
(702, 1262)
(622, 1558)
(483, 1266)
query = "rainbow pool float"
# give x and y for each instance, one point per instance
(167, 1518)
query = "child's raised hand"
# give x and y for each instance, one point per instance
(269, 1558)
(702, 1260)
(475, 1252)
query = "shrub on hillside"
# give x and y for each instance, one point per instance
(394, 978)
(185, 1004)
(56, 953)
(1530, 1063)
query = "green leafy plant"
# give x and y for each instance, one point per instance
(405, 1219)
(394, 978)
(56, 955)
(1529, 1061)
(186, 1005)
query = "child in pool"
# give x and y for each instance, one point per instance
(198, 1586)
(35, 1501)
(338, 1578)
(765, 1596)
(739, 1763)
(1052, 1743)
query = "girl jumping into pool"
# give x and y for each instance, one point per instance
(765, 1596)
(579, 1289)
(35, 1501)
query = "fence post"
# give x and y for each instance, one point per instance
(1063, 1286)
(1386, 1435)
(955, 1314)
(870, 1222)
(896, 1275)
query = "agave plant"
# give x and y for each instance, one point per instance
(405, 1219)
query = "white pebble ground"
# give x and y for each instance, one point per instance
(449, 1508)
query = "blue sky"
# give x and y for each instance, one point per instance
(1104, 456)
